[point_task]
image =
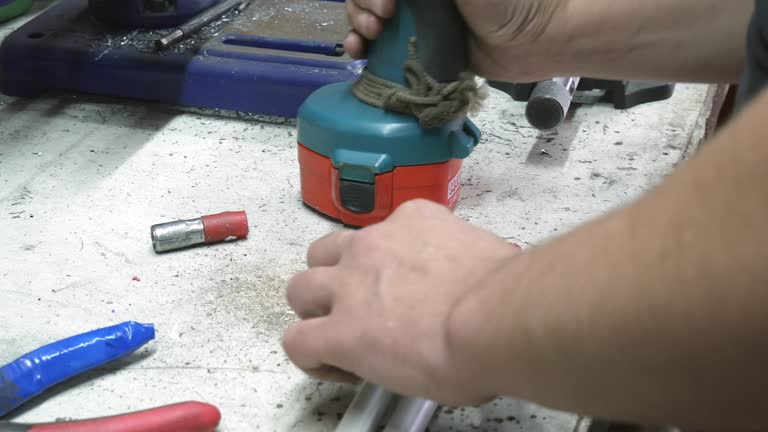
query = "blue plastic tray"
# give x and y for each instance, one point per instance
(266, 60)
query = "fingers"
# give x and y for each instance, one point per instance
(315, 344)
(303, 343)
(365, 23)
(365, 17)
(327, 251)
(421, 208)
(381, 8)
(311, 293)
(354, 45)
(332, 374)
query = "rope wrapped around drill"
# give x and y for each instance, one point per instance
(432, 102)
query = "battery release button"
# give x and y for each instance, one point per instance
(357, 197)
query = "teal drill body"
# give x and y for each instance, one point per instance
(359, 162)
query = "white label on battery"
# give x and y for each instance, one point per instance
(453, 188)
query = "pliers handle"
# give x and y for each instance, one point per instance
(180, 417)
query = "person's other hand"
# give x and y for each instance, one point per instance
(375, 303)
(511, 40)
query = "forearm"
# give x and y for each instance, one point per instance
(677, 40)
(656, 313)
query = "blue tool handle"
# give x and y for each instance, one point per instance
(37, 371)
(441, 41)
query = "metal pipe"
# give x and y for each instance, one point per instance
(550, 101)
(243, 5)
(198, 22)
(366, 410)
(411, 415)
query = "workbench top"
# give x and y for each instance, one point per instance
(82, 179)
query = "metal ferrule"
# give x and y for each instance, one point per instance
(177, 235)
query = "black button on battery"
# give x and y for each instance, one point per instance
(357, 197)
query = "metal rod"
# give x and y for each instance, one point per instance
(550, 101)
(198, 22)
(243, 5)
(366, 410)
(411, 415)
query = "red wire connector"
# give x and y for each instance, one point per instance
(214, 228)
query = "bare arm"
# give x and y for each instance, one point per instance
(678, 40)
(527, 40)
(655, 313)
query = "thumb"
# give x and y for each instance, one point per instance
(503, 22)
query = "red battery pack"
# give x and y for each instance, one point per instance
(321, 188)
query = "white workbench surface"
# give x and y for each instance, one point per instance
(83, 178)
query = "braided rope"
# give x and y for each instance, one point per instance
(433, 103)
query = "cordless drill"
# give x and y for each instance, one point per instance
(359, 162)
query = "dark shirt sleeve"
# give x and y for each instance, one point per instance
(756, 74)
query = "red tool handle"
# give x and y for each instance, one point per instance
(181, 417)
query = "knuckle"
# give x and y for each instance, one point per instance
(382, 8)
(353, 44)
(365, 23)
(355, 15)
(410, 206)
(292, 290)
(351, 10)
(420, 206)
(295, 347)
(290, 343)
(523, 22)
(307, 279)
(312, 252)
(325, 251)
(300, 286)
(360, 23)
(366, 240)
(387, 8)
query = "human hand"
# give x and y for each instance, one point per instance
(510, 40)
(375, 303)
